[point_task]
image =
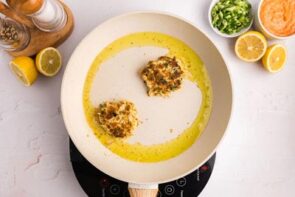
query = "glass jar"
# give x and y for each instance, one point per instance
(13, 35)
(51, 17)
(47, 15)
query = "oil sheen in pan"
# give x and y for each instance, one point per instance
(169, 125)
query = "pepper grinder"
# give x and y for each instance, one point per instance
(47, 15)
(13, 35)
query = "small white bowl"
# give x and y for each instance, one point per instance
(259, 26)
(213, 2)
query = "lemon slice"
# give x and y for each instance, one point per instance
(275, 58)
(250, 46)
(24, 68)
(48, 61)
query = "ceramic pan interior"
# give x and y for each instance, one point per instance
(90, 146)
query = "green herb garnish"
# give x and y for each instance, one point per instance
(231, 16)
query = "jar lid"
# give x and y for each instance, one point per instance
(26, 7)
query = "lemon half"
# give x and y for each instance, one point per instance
(275, 58)
(25, 70)
(49, 61)
(251, 46)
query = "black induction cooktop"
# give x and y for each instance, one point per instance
(97, 184)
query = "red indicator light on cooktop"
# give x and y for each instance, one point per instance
(204, 168)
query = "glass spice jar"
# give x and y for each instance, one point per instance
(13, 35)
(47, 15)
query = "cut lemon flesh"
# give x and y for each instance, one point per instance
(49, 61)
(251, 46)
(25, 70)
(275, 58)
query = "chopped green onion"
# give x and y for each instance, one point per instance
(231, 16)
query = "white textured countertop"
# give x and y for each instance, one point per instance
(256, 158)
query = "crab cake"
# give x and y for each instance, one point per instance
(117, 118)
(162, 76)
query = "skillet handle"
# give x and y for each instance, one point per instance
(137, 190)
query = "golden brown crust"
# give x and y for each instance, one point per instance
(162, 76)
(117, 118)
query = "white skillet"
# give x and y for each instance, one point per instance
(143, 178)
